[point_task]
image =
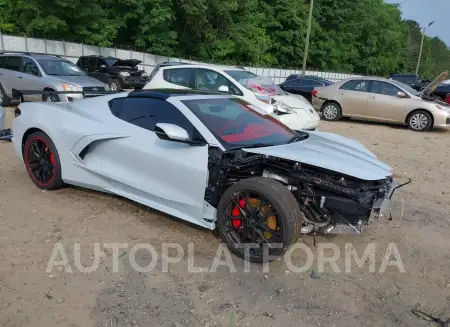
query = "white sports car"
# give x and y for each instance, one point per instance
(212, 160)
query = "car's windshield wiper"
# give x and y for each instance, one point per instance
(255, 145)
(298, 138)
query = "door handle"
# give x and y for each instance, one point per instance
(372, 97)
(19, 77)
(340, 93)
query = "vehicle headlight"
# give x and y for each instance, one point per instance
(70, 87)
(107, 88)
(144, 74)
(280, 106)
(124, 74)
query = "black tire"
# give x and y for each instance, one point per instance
(5, 101)
(331, 111)
(50, 98)
(114, 85)
(282, 204)
(420, 121)
(47, 161)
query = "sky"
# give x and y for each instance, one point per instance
(425, 11)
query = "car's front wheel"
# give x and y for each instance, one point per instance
(114, 85)
(259, 219)
(420, 121)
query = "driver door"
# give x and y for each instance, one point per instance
(166, 175)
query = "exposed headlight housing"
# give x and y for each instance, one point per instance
(144, 74)
(70, 87)
(282, 107)
(124, 74)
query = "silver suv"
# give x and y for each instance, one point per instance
(30, 71)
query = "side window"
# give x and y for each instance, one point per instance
(384, 88)
(147, 112)
(179, 76)
(13, 63)
(2, 59)
(356, 85)
(101, 62)
(210, 80)
(90, 62)
(30, 67)
(311, 82)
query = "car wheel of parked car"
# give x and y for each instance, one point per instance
(50, 98)
(114, 85)
(42, 161)
(4, 99)
(261, 215)
(420, 121)
(331, 111)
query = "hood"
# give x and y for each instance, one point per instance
(83, 81)
(333, 152)
(127, 63)
(435, 83)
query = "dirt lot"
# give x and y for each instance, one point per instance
(32, 222)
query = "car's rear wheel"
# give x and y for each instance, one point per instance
(259, 219)
(331, 111)
(5, 101)
(42, 161)
(420, 121)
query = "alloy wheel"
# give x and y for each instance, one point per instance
(330, 112)
(251, 219)
(114, 86)
(419, 121)
(40, 161)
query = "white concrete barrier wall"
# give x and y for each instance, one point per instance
(72, 51)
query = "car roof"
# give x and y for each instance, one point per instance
(34, 55)
(218, 67)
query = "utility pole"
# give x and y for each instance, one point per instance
(421, 47)
(308, 33)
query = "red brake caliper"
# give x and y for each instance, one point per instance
(236, 213)
(52, 159)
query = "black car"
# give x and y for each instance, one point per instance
(303, 85)
(410, 79)
(117, 73)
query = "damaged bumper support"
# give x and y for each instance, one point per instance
(381, 209)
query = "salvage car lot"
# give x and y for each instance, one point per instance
(33, 221)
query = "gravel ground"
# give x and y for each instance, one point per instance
(32, 221)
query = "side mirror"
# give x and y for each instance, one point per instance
(35, 71)
(175, 133)
(401, 94)
(224, 89)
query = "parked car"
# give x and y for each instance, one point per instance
(380, 99)
(32, 71)
(118, 73)
(294, 111)
(304, 85)
(411, 79)
(213, 160)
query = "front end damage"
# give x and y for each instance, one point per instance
(332, 203)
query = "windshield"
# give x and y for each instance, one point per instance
(406, 87)
(60, 67)
(236, 123)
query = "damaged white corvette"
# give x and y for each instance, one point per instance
(212, 160)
